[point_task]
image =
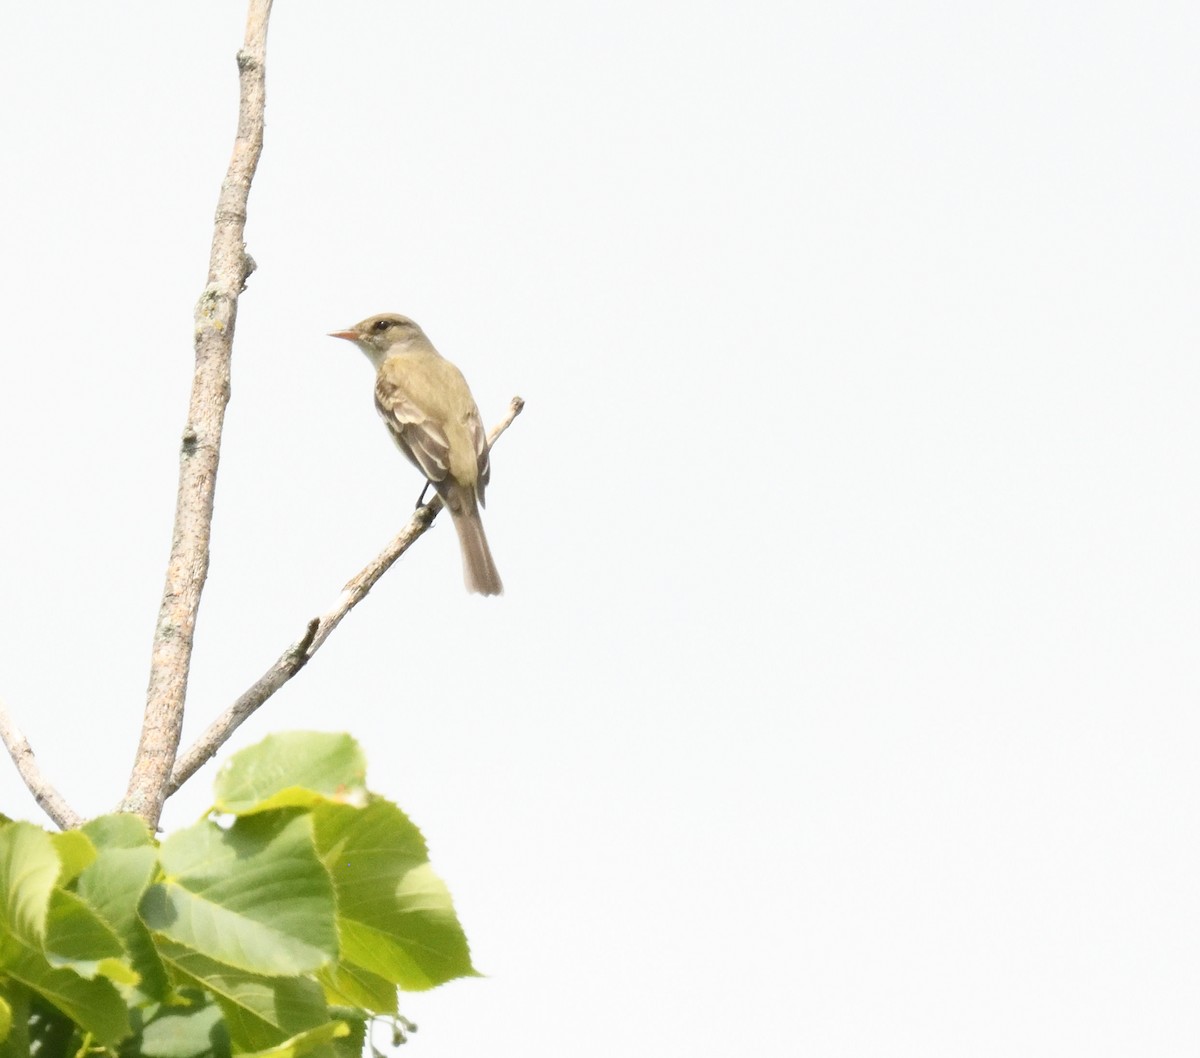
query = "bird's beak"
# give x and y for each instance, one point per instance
(350, 336)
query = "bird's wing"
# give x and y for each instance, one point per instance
(418, 436)
(479, 440)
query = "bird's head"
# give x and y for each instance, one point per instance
(379, 335)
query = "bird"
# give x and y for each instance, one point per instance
(428, 409)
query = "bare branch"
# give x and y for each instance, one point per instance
(50, 800)
(216, 315)
(296, 656)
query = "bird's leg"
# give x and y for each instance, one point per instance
(421, 498)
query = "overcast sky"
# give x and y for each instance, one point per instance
(843, 699)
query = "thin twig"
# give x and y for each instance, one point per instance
(297, 655)
(216, 315)
(51, 801)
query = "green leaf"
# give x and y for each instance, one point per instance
(28, 869)
(186, 1032)
(395, 915)
(76, 936)
(121, 830)
(112, 886)
(305, 1042)
(75, 852)
(352, 986)
(255, 896)
(14, 1043)
(292, 769)
(94, 1005)
(354, 1044)
(6, 1016)
(260, 1012)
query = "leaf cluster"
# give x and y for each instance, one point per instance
(280, 924)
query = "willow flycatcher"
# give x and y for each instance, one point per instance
(428, 409)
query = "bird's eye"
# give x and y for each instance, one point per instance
(381, 326)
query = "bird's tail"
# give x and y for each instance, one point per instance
(479, 571)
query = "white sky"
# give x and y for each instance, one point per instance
(843, 700)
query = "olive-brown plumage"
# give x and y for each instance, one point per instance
(427, 407)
